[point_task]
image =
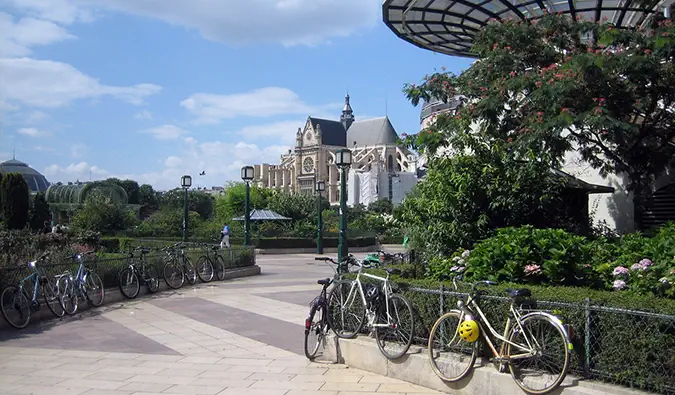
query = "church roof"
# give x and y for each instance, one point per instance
(332, 132)
(36, 181)
(376, 131)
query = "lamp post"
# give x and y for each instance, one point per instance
(247, 176)
(185, 183)
(320, 187)
(343, 159)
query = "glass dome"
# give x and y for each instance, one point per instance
(36, 181)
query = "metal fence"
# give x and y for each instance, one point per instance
(627, 347)
(108, 268)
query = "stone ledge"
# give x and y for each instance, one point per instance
(113, 295)
(363, 353)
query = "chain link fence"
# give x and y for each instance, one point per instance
(626, 347)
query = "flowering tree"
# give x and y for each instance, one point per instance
(547, 87)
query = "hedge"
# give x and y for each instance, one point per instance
(627, 344)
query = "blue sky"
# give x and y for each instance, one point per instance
(135, 89)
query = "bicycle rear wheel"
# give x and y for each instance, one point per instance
(151, 278)
(394, 341)
(94, 289)
(450, 356)
(52, 299)
(345, 317)
(315, 326)
(219, 267)
(15, 307)
(173, 274)
(189, 270)
(129, 284)
(69, 299)
(545, 371)
(205, 269)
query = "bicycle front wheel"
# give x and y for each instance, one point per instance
(450, 356)
(205, 269)
(544, 371)
(346, 315)
(151, 278)
(395, 339)
(173, 274)
(94, 290)
(15, 307)
(315, 330)
(219, 267)
(129, 284)
(52, 299)
(69, 299)
(189, 270)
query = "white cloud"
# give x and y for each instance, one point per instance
(263, 102)
(42, 148)
(61, 11)
(173, 161)
(33, 132)
(18, 37)
(145, 114)
(73, 172)
(282, 132)
(46, 83)
(165, 132)
(78, 150)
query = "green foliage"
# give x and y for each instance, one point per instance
(296, 206)
(169, 222)
(39, 212)
(100, 213)
(148, 200)
(381, 206)
(130, 187)
(232, 204)
(198, 201)
(15, 198)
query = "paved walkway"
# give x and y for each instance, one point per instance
(241, 336)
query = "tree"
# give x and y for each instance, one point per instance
(200, 202)
(15, 197)
(147, 198)
(296, 206)
(541, 88)
(39, 212)
(130, 187)
(381, 206)
(232, 204)
(102, 214)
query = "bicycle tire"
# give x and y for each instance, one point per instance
(380, 332)
(50, 297)
(172, 269)
(129, 274)
(453, 314)
(189, 270)
(11, 291)
(338, 291)
(93, 282)
(204, 263)
(151, 278)
(515, 330)
(320, 331)
(219, 268)
(69, 299)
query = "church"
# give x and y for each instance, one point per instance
(380, 167)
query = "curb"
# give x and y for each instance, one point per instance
(113, 295)
(363, 353)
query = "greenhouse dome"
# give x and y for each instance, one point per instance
(36, 181)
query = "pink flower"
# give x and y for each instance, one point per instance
(598, 110)
(619, 270)
(532, 270)
(512, 74)
(619, 284)
(539, 84)
(565, 110)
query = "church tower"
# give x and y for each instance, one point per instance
(347, 117)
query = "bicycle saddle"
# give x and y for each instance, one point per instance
(517, 293)
(323, 281)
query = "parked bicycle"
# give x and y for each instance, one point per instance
(316, 322)
(86, 285)
(130, 276)
(390, 315)
(211, 263)
(18, 302)
(456, 337)
(178, 267)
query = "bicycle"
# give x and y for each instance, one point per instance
(208, 266)
(391, 258)
(517, 348)
(86, 285)
(19, 300)
(178, 267)
(130, 275)
(318, 308)
(380, 303)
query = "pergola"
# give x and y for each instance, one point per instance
(449, 26)
(63, 199)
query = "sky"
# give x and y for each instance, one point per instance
(151, 90)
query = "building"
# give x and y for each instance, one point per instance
(377, 160)
(449, 28)
(65, 199)
(36, 181)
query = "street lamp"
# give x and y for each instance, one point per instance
(343, 159)
(247, 175)
(185, 183)
(320, 187)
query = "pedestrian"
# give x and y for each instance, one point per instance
(46, 228)
(225, 237)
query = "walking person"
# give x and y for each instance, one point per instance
(225, 237)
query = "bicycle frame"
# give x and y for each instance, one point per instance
(386, 290)
(35, 278)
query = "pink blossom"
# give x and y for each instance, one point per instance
(539, 84)
(619, 284)
(619, 270)
(512, 74)
(532, 270)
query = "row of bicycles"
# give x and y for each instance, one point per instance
(534, 346)
(64, 292)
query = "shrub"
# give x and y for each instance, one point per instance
(15, 200)
(100, 213)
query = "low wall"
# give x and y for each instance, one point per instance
(363, 353)
(113, 295)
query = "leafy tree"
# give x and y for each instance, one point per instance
(169, 222)
(560, 84)
(296, 206)
(100, 213)
(381, 206)
(15, 197)
(198, 201)
(148, 200)
(232, 204)
(130, 187)
(39, 212)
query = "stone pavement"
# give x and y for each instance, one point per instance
(242, 336)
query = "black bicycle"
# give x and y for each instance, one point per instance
(178, 267)
(317, 321)
(130, 276)
(210, 264)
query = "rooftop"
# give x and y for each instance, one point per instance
(35, 180)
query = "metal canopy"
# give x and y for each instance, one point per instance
(263, 215)
(449, 26)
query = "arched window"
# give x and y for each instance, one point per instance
(390, 164)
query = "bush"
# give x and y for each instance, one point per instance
(14, 200)
(100, 213)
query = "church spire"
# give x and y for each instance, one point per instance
(347, 117)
